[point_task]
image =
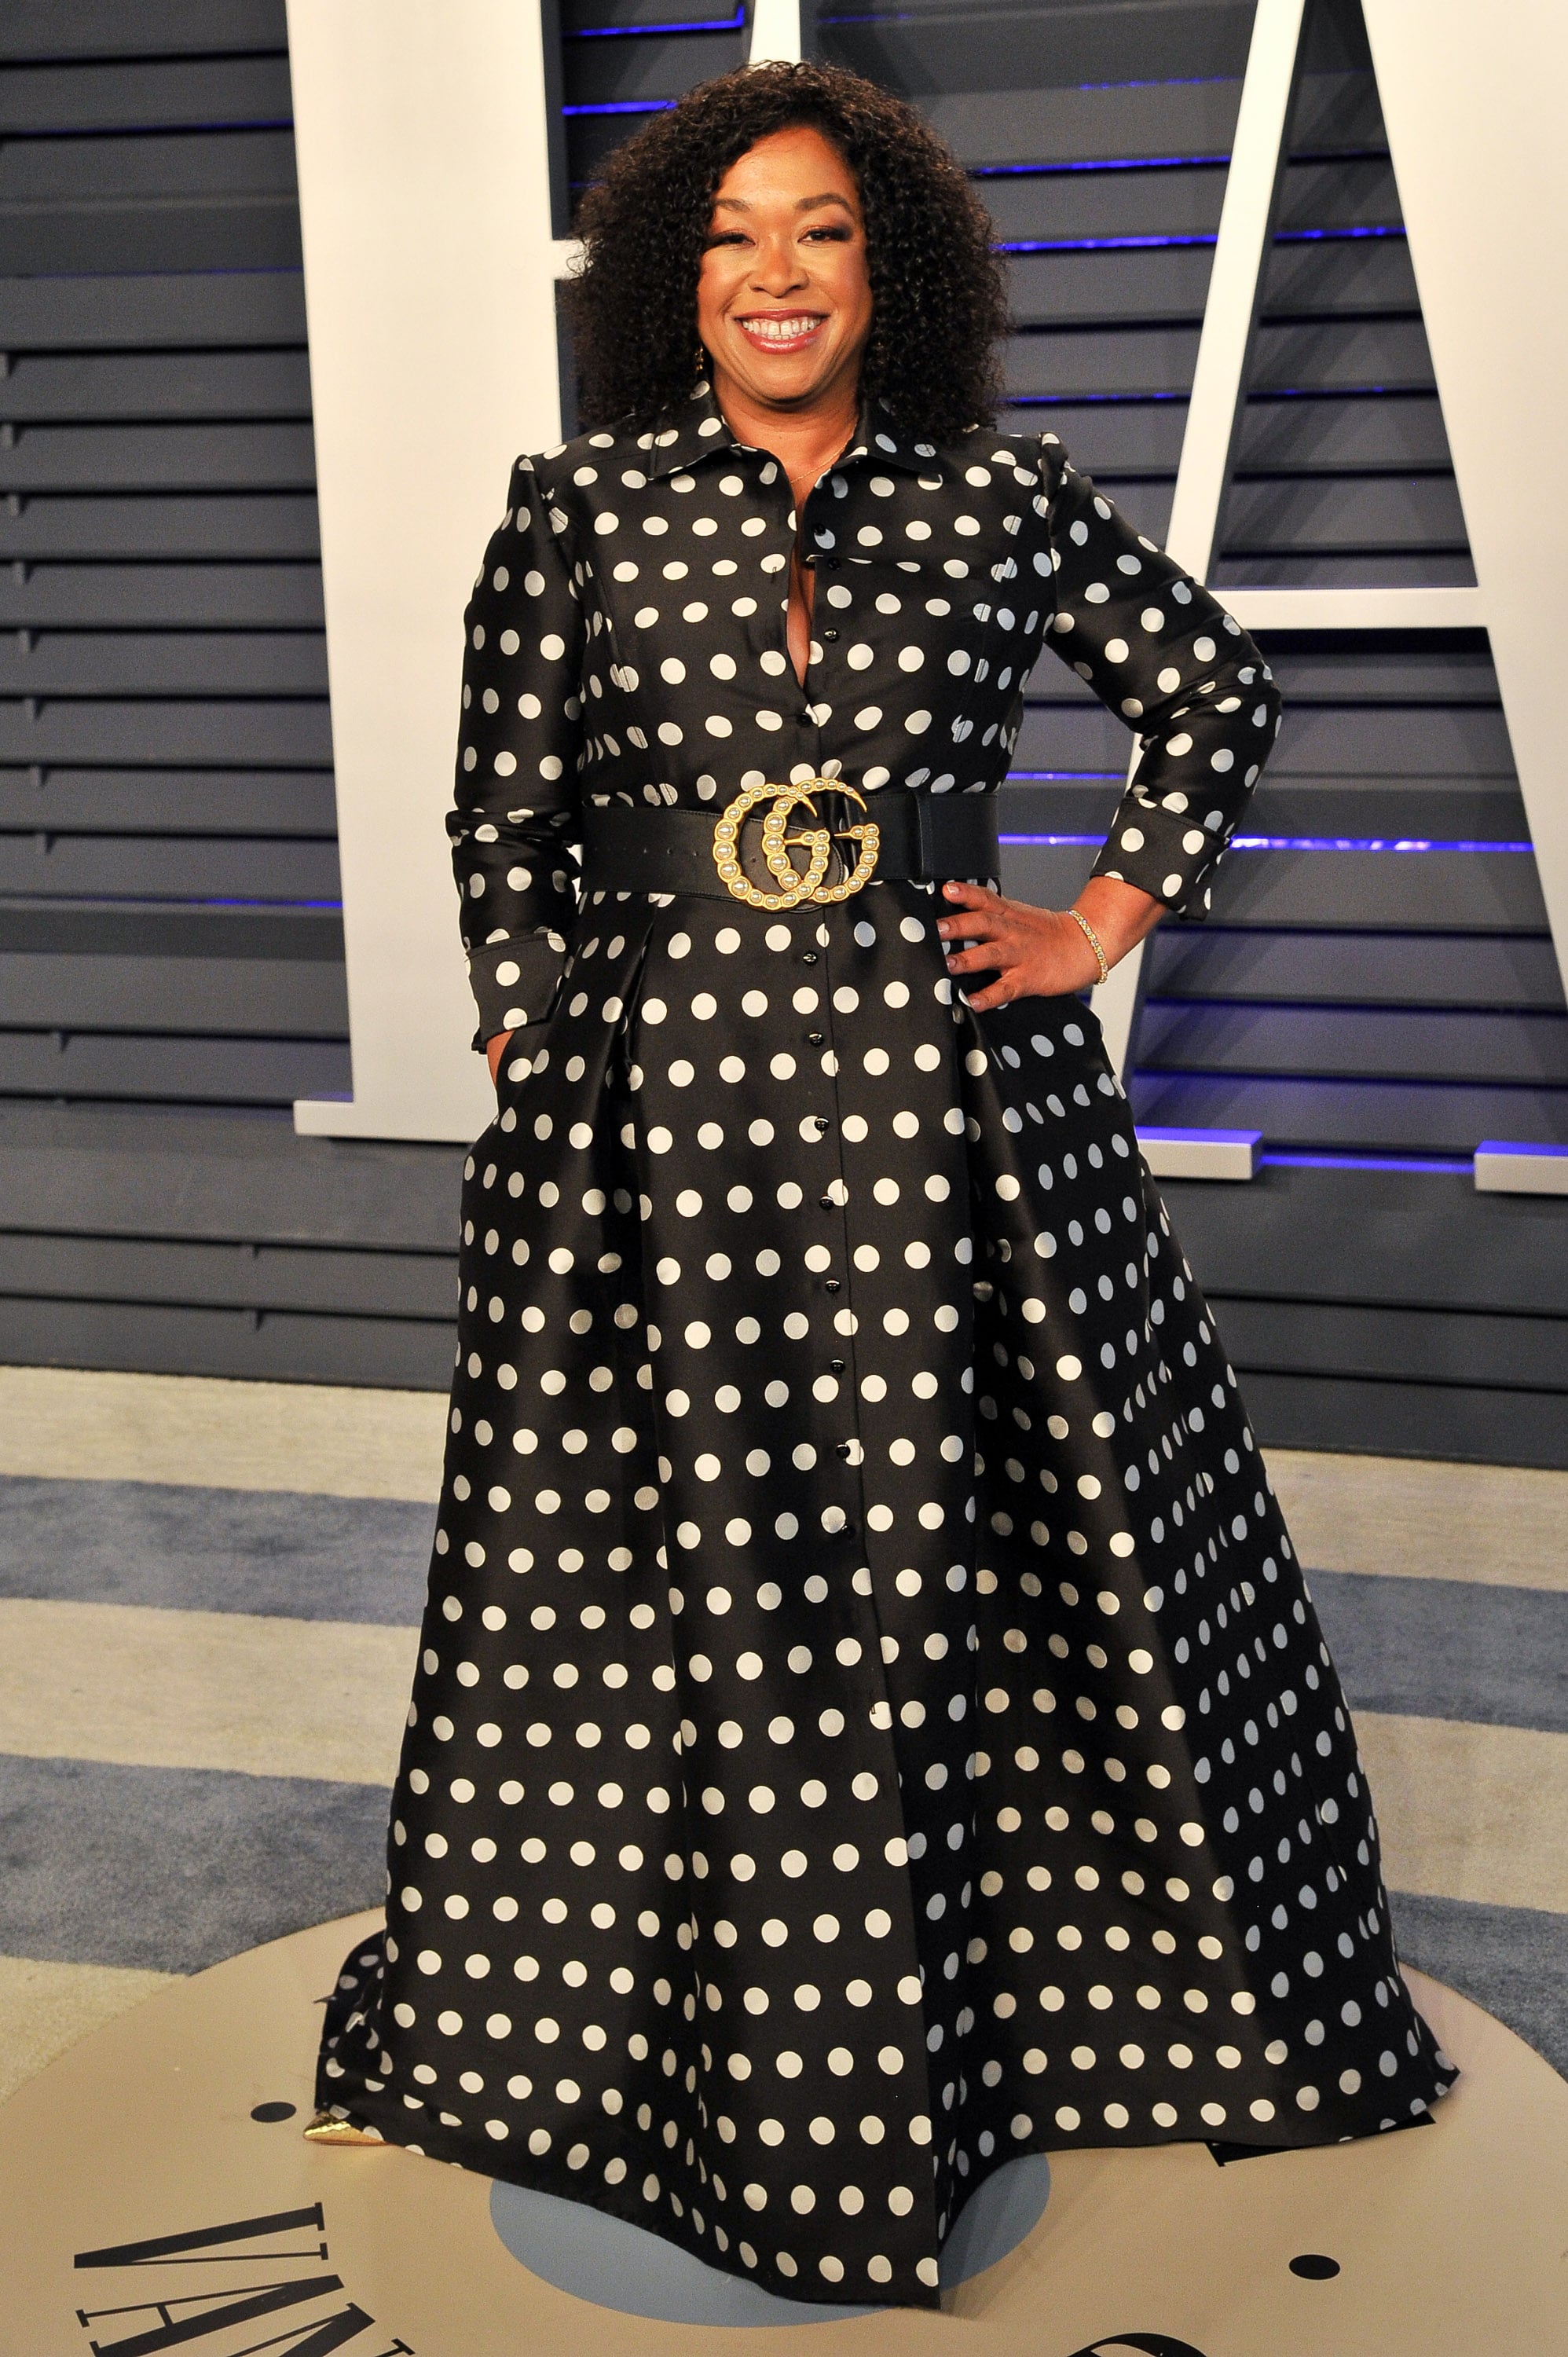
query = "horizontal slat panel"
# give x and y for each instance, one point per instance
(115, 1268)
(1011, 48)
(107, 28)
(169, 802)
(213, 596)
(1432, 891)
(237, 732)
(128, 928)
(123, 1170)
(220, 234)
(1451, 1422)
(1410, 1345)
(96, 313)
(1371, 970)
(649, 68)
(1334, 109)
(217, 165)
(1325, 433)
(1433, 569)
(1347, 191)
(131, 385)
(179, 868)
(165, 662)
(1061, 363)
(1165, 202)
(1013, 123)
(1405, 1237)
(1452, 741)
(1388, 512)
(406, 1354)
(1363, 1117)
(243, 997)
(1057, 736)
(1351, 1042)
(159, 458)
(1065, 290)
(1369, 666)
(1339, 278)
(1337, 353)
(1131, 438)
(130, 95)
(175, 1071)
(224, 524)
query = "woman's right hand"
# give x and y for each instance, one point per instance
(495, 1050)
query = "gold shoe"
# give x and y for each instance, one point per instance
(327, 2128)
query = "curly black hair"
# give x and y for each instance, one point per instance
(939, 297)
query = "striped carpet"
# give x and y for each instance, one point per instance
(209, 1594)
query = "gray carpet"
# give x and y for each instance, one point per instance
(1511, 1960)
(298, 1558)
(1446, 1649)
(174, 1868)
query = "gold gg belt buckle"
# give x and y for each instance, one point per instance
(818, 843)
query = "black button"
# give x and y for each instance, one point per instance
(835, 1366)
(827, 1202)
(844, 1449)
(822, 1123)
(829, 636)
(805, 720)
(814, 1038)
(808, 957)
(832, 1285)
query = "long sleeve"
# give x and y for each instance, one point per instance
(517, 794)
(1165, 656)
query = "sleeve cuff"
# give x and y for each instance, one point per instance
(1164, 854)
(514, 983)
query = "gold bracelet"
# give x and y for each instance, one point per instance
(1092, 938)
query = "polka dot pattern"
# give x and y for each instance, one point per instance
(625, 642)
(869, 1720)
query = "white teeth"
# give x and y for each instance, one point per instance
(780, 331)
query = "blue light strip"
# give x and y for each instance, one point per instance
(1153, 241)
(1089, 400)
(1092, 163)
(1158, 241)
(1362, 843)
(1436, 1165)
(636, 32)
(624, 106)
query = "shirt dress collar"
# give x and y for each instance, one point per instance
(698, 431)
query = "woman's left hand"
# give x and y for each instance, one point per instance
(1039, 952)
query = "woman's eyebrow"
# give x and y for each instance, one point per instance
(803, 204)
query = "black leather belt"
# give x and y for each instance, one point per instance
(778, 846)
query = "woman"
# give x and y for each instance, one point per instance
(871, 1723)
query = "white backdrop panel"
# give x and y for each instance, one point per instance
(429, 280)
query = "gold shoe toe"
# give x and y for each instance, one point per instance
(327, 2128)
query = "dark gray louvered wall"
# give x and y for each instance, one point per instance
(171, 967)
(1373, 1013)
(1369, 1308)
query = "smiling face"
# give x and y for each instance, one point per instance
(784, 294)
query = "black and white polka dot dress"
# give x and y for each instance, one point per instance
(870, 1721)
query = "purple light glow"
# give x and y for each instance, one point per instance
(1431, 1165)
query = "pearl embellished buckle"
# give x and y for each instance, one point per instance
(818, 842)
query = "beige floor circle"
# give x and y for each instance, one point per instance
(139, 2194)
